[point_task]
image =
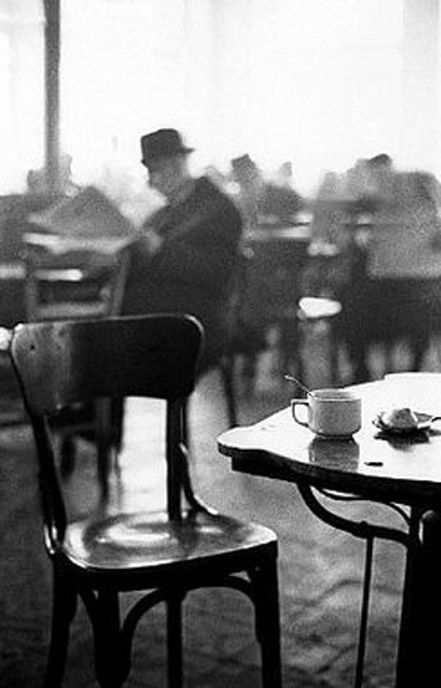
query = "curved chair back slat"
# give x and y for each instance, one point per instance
(64, 362)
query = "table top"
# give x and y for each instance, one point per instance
(404, 469)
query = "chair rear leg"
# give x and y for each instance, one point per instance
(418, 347)
(174, 641)
(117, 422)
(103, 429)
(334, 368)
(186, 423)
(249, 372)
(63, 610)
(268, 623)
(226, 367)
(290, 346)
(68, 452)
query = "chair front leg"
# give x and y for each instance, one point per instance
(266, 600)
(64, 602)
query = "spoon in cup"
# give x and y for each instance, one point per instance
(291, 378)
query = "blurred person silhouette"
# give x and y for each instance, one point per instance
(248, 178)
(329, 220)
(396, 293)
(37, 182)
(331, 238)
(357, 180)
(187, 251)
(284, 175)
(260, 201)
(216, 176)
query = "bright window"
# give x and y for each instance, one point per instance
(21, 91)
(318, 82)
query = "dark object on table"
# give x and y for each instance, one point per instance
(98, 557)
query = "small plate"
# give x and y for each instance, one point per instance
(424, 421)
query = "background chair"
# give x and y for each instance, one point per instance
(81, 283)
(235, 336)
(319, 311)
(109, 552)
(75, 284)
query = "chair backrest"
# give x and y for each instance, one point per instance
(117, 282)
(66, 362)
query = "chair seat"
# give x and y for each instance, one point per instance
(143, 540)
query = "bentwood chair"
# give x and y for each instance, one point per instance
(166, 554)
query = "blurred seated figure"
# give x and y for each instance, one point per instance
(37, 179)
(284, 176)
(260, 201)
(358, 182)
(216, 176)
(330, 213)
(330, 249)
(396, 289)
(186, 253)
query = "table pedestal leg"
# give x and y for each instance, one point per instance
(420, 638)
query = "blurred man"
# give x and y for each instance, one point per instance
(260, 201)
(395, 293)
(188, 250)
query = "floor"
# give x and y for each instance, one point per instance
(320, 568)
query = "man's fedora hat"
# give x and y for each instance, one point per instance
(163, 143)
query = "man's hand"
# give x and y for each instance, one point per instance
(154, 241)
(148, 242)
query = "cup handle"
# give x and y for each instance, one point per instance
(294, 404)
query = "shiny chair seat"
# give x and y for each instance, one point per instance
(146, 544)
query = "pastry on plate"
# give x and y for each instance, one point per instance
(400, 419)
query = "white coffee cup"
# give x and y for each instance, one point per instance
(332, 413)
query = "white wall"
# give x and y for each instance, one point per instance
(321, 82)
(421, 85)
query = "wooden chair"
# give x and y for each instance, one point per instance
(166, 555)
